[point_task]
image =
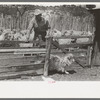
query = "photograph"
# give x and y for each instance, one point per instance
(49, 42)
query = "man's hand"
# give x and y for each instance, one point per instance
(27, 40)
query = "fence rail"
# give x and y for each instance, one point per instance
(88, 51)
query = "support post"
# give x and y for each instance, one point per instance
(89, 53)
(47, 58)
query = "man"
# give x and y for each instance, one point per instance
(39, 24)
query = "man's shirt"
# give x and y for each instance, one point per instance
(42, 25)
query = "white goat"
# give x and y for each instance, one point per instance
(57, 33)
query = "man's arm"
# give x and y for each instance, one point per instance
(48, 25)
(30, 27)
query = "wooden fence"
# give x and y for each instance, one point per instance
(16, 62)
(87, 51)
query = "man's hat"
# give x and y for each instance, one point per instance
(37, 12)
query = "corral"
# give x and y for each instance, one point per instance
(69, 34)
(16, 62)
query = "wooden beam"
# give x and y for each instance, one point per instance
(12, 41)
(47, 58)
(23, 50)
(59, 51)
(14, 75)
(24, 61)
(21, 68)
(76, 45)
(69, 37)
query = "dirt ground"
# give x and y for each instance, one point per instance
(76, 74)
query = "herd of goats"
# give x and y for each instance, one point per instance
(21, 35)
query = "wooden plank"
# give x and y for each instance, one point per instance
(21, 68)
(21, 57)
(47, 58)
(9, 54)
(29, 52)
(26, 45)
(75, 45)
(20, 61)
(22, 50)
(89, 52)
(18, 44)
(68, 37)
(14, 75)
(21, 64)
(59, 51)
(12, 41)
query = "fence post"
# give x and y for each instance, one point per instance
(89, 53)
(47, 58)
